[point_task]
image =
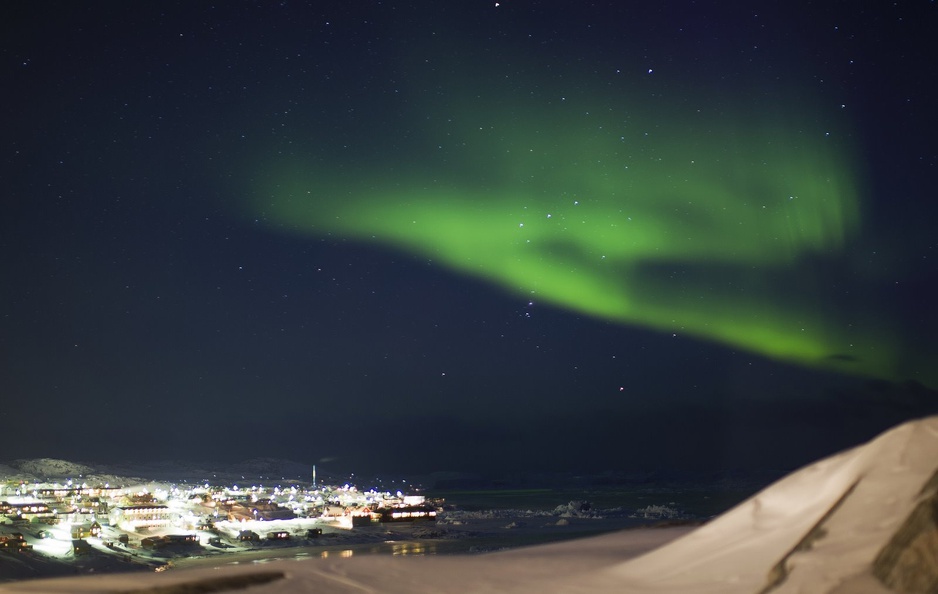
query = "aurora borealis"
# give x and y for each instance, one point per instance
(452, 236)
(705, 227)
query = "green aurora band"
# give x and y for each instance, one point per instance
(720, 228)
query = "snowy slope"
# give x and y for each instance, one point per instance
(814, 531)
(848, 524)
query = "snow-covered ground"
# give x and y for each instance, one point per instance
(859, 522)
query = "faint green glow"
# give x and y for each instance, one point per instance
(697, 227)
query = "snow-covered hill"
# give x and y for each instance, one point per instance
(54, 470)
(47, 468)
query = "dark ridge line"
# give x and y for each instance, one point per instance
(779, 573)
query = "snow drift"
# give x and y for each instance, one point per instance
(863, 521)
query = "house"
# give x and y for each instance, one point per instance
(367, 518)
(86, 530)
(262, 509)
(153, 542)
(81, 547)
(14, 543)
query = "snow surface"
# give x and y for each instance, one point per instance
(817, 530)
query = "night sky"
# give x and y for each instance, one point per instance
(487, 237)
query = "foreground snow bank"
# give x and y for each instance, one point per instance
(863, 521)
(849, 523)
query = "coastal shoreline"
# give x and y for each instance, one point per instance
(492, 540)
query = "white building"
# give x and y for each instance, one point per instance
(139, 517)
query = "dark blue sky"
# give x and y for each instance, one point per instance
(141, 308)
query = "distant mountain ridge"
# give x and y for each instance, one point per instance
(57, 470)
(51, 468)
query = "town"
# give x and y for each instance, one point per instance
(151, 524)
